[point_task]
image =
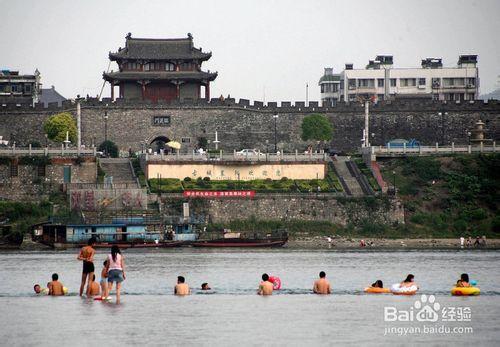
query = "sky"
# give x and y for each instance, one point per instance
(263, 50)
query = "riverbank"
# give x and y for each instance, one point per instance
(322, 242)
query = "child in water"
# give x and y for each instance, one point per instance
(409, 282)
(463, 281)
(378, 284)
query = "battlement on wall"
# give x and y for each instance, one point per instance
(416, 105)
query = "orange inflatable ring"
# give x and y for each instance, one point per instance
(376, 290)
(276, 281)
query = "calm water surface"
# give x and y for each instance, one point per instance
(151, 315)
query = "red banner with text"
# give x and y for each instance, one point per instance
(219, 194)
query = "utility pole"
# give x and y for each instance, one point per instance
(307, 94)
(79, 123)
(366, 131)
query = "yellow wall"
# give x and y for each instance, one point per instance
(230, 172)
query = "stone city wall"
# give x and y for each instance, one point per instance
(33, 184)
(241, 125)
(287, 207)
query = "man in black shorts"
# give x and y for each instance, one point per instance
(87, 256)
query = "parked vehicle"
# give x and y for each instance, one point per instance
(250, 153)
(400, 143)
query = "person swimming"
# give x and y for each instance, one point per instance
(265, 287)
(205, 286)
(181, 288)
(408, 282)
(463, 281)
(322, 286)
(378, 284)
(37, 288)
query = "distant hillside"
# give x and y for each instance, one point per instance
(493, 95)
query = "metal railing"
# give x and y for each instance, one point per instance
(429, 150)
(236, 157)
(47, 151)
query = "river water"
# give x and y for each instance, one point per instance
(150, 315)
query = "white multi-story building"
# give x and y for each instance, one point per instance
(330, 87)
(381, 81)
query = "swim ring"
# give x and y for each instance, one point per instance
(465, 291)
(396, 289)
(276, 281)
(376, 290)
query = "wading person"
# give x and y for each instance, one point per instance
(56, 288)
(94, 287)
(322, 286)
(265, 287)
(87, 256)
(181, 288)
(115, 269)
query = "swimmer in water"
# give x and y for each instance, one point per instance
(181, 288)
(87, 256)
(378, 284)
(463, 281)
(94, 287)
(56, 288)
(408, 282)
(205, 286)
(37, 288)
(322, 286)
(265, 287)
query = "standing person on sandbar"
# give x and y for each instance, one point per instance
(115, 268)
(87, 256)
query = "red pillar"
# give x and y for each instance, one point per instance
(207, 91)
(177, 91)
(143, 90)
(112, 91)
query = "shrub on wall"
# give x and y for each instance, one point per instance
(109, 148)
(56, 127)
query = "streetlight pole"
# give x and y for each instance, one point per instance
(106, 131)
(275, 133)
(394, 181)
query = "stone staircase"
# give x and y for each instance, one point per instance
(349, 182)
(120, 169)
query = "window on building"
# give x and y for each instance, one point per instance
(471, 82)
(186, 140)
(169, 67)
(436, 82)
(435, 96)
(40, 171)
(459, 81)
(14, 88)
(393, 82)
(186, 67)
(27, 88)
(352, 83)
(472, 96)
(448, 82)
(147, 67)
(322, 88)
(335, 88)
(14, 169)
(421, 81)
(366, 83)
(380, 82)
(407, 82)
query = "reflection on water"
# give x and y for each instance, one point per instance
(233, 313)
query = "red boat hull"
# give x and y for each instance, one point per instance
(140, 245)
(222, 243)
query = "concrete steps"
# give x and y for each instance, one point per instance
(351, 184)
(118, 168)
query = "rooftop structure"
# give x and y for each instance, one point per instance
(50, 95)
(380, 80)
(19, 89)
(330, 86)
(159, 69)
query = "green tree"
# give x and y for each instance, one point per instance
(57, 125)
(316, 127)
(109, 148)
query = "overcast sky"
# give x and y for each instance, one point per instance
(260, 48)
